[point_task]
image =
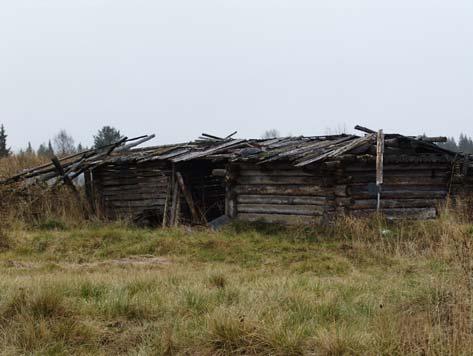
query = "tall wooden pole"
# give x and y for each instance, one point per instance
(379, 166)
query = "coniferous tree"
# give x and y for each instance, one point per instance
(29, 149)
(4, 150)
(451, 144)
(273, 133)
(50, 149)
(465, 144)
(106, 136)
(45, 150)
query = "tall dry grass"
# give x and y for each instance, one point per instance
(356, 287)
(30, 205)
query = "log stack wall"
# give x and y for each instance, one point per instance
(280, 193)
(413, 191)
(125, 190)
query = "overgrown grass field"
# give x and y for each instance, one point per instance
(358, 287)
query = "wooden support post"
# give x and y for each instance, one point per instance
(175, 204)
(379, 166)
(166, 203)
(188, 197)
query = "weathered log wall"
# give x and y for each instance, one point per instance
(413, 191)
(280, 193)
(128, 189)
(287, 194)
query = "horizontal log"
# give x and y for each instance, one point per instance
(281, 199)
(278, 172)
(290, 190)
(394, 214)
(277, 218)
(136, 203)
(397, 167)
(395, 203)
(283, 180)
(363, 187)
(132, 197)
(412, 172)
(341, 190)
(281, 209)
(402, 194)
(219, 172)
(401, 180)
(135, 180)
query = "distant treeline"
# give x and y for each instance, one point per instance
(464, 144)
(62, 144)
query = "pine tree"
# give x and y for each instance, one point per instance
(4, 150)
(50, 149)
(106, 136)
(46, 150)
(43, 150)
(29, 149)
(451, 144)
(465, 144)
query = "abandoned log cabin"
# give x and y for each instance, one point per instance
(289, 180)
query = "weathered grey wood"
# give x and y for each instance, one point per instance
(281, 199)
(280, 218)
(395, 203)
(283, 180)
(364, 129)
(400, 168)
(194, 155)
(281, 209)
(379, 166)
(402, 180)
(188, 197)
(402, 194)
(341, 190)
(404, 213)
(137, 203)
(166, 203)
(283, 190)
(219, 172)
(279, 173)
(174, 205)
(336, 152)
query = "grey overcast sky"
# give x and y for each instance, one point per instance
(180, 67)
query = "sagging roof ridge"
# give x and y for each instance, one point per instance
(298, 150)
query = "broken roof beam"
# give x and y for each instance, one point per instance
(364, 129)
(335, 152)
(212, 137)
(134, 144)
(437, 139)
(215, 149)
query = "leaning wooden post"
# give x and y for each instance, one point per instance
(379, 166)
(188, 197)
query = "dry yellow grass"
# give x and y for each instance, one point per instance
(72, 286)
(359, 287)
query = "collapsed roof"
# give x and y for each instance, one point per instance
(299, 151)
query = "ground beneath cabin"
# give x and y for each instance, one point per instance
(357, 289)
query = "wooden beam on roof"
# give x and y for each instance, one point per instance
(364, 129)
